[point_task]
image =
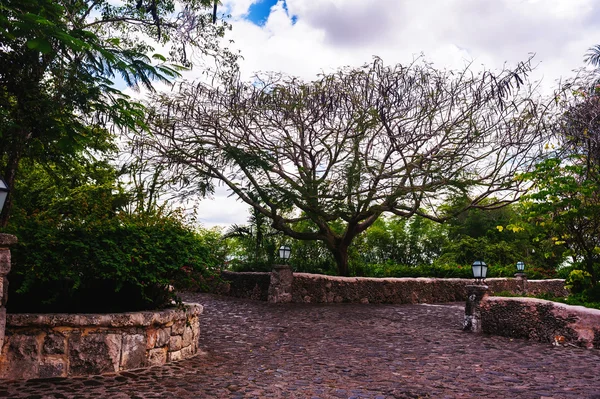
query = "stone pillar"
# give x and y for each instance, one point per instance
(521, 282)
(280, 288)
(475, 293)
(6, 240)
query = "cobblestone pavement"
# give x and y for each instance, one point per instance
(258, 350)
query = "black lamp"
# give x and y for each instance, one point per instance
(479, 270)
(4, 190)
(284, 253)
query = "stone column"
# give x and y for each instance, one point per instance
(280, 288)
(6, 240)
(521, 282)
(475, 293)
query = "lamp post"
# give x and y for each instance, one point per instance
(475, 295)
(521, 277)
(4, 190)
(280, 286)
(284, 253)
(479, 271)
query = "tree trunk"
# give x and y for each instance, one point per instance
(589, 263)
(340, 254)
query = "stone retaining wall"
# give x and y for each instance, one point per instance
(250, 285)
(541, 320)
(61, 345)
(325, 289)
(319, 288)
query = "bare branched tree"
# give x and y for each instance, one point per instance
(352, 145)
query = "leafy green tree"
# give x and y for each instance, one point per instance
(411, 242)
(258, 243)
(567, 200)
(566, 186)
(58, 62)
(353, 145)
(500, 237)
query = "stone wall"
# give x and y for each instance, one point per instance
(6, 240)
(60, 345)
(541, 320)
(249, 285)
(326, 289)
(318, 288)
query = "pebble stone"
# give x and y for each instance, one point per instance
(253, 349)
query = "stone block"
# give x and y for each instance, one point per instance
(157, 356)
(175, 343)
(280, 288)
(174, 356)
(2, 326)
(163, 337)
(188, 336)
(23, 357)
(188, 351)
(6, 240)
(133, 351)
(52, 367)
(4, 261)
(3, 290)
(151, 338)
(54, 344)
(178, 327)
(195, 323)
(94, 353)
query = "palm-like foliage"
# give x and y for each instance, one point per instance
(592, 56)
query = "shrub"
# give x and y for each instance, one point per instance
(83, 256)
(578, 281)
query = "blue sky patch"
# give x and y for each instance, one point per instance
(259, 12)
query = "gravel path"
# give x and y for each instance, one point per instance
(258, 350)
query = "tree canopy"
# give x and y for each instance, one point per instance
(566, 191)
(59, 60)
(355, 144)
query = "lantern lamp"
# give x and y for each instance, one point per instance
(4, 190)
(479, 270)
(520, 267)
(284, 253)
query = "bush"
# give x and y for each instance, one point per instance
(445, 270)
(578, 281)
(90, 258)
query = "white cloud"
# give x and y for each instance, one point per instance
(237, 8)
(221, 210)
(333, 33)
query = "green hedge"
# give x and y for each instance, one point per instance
(445, 271)
(113, 263)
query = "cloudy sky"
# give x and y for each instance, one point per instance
(306, 37)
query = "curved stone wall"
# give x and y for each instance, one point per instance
(61, 345)
(541, 320)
